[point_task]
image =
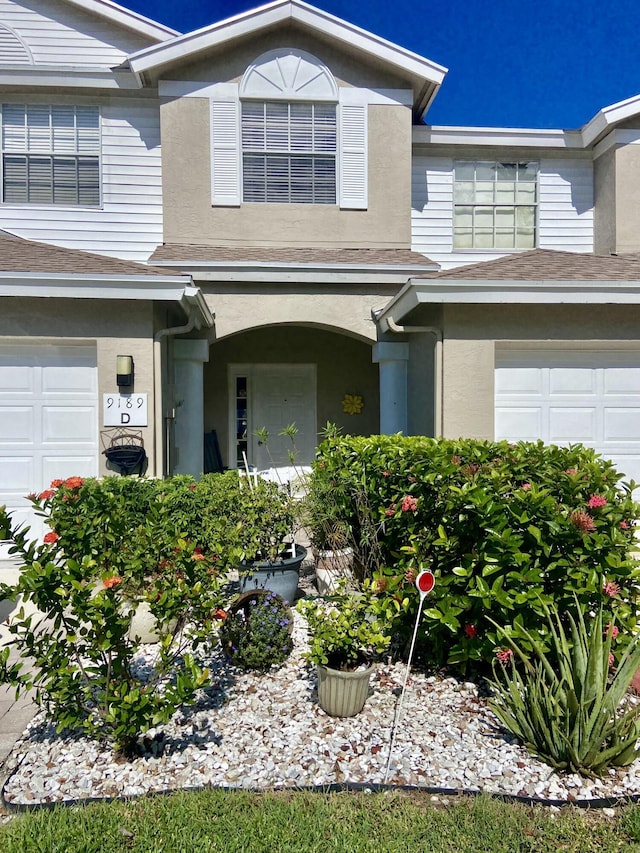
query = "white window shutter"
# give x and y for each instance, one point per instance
(225, 152)
(353, 156)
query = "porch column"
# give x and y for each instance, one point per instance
(188, 357)
(393, 359)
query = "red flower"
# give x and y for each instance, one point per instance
(409, 504)
(113, 581)
(624, 525)
(410, 576)
(386, 473)
(74, 482)
(571, 471)
(380, 584)
(596, 501)
(611, 630)
(192, 487)
(612, 660)
(504, 655)
(390, 511)
(526, 486)
(471, 631)
(46, 495)
(50, 538)
(611, 588)
(32, 496)
(220, 613)
(582, 520)
(55, 484)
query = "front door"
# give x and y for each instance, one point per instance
(277, 395)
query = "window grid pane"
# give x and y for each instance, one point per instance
(51, 154)
(495, 205)
(289, 152)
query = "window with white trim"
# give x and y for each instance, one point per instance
(289, 152)
(51, 154)
(495, 205)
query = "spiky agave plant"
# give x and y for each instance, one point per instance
(567, 706)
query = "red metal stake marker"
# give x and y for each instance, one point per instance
(425, 582)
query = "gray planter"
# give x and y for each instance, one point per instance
(281, 576)
(342, 694)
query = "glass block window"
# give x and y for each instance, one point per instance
(289, 152)
(495, 205)
(51, 154)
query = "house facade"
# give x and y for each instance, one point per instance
(259, 216)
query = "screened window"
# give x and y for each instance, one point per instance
(50, 154)
(289, 152)
(495, 205)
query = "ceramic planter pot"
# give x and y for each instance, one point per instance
(342, 694)
(280, 576)
(143, 625)
(331, 566)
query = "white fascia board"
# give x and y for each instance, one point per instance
(608, 117)
(472, 291)
(126, 18)
(91, 286)
(193, 301)
(251, 22)
(72, 77)
(276, 266)
(496, 136)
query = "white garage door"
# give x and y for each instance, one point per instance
(562, 397)
(48, 420)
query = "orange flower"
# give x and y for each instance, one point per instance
(197, 556)
(113, 581)
(50, 538)
(55, 484)
(74, 482)
(46, 495)
(220, 613)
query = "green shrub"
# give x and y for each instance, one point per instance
(507, 530)
(564, 706)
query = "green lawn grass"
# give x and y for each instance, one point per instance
(303, 822)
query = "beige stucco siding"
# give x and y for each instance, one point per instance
(604, 169)
(471, 333)
(343, 366)
(116, 327)
(190, 218)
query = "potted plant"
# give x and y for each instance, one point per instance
(266, 525)
(344, 637)
(256, 630)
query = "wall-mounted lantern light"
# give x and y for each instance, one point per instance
(124, 371)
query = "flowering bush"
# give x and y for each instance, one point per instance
(506, 529)
(256, 631)
(112, 545)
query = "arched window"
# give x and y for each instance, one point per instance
(287, 138)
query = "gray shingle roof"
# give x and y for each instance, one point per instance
(550, 265)
(20, 255)
(187, 253)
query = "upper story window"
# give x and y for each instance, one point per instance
(289, 152)
(288, 135)
(495, 205)
(50, 154)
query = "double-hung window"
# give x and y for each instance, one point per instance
(495, 205)
(289, 152)
(51, 154)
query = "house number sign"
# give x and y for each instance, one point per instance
(124, 410)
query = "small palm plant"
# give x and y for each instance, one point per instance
(569, 706)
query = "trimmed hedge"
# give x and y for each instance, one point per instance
(506, 528)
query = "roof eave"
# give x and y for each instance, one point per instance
(126, 18)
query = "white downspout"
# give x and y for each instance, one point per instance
(438, 366)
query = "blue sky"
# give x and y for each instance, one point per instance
(551, 63)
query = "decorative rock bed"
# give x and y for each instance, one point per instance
(267, 731)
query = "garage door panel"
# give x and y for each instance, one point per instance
(68, 424)
(519, 423)
(572, 381)
(519, 381)
(60, 467)
(15, 379)
(16, 476)
(622, 424)
(61, 380)
(16, 425)
(572, 424)
(624, 381)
